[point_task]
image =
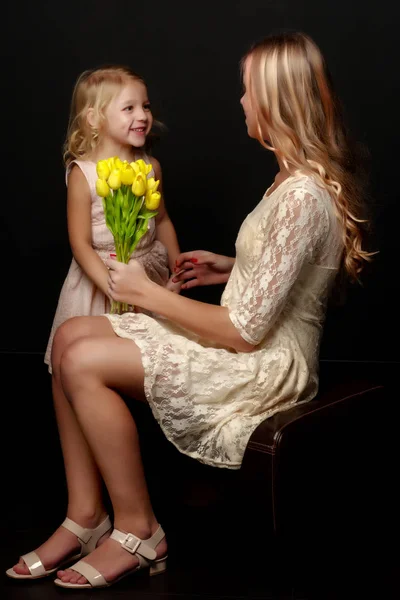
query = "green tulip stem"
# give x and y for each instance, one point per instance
(122, 210)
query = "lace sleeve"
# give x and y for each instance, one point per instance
(291, 234)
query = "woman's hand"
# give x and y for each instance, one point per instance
(127, 283)
(130, 284)
(200, 267)
(173, 286)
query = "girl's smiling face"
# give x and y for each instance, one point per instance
(128, 115)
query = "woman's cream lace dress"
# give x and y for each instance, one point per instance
(208, 399)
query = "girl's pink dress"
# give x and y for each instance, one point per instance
(79, 295)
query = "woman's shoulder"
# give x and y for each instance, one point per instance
(301, 197)
(304, 187)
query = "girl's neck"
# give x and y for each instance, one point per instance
(105, 150)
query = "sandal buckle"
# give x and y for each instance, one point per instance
(131, 543)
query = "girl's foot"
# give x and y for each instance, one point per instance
(60, 546)
(111, 560)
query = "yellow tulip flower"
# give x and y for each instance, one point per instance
(152, 200)
(114, 180)
(102, 188)
(117, 162)
(144, 167)
(127, 174)
(152, 184)
(111, 162)
(102, 169)
(135, 167)
(139, 185)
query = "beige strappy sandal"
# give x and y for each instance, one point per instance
(88, 539)
(144, 549)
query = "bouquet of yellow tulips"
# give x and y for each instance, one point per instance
(130, 199)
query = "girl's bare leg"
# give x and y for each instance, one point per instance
(91, 369)
(85, 505)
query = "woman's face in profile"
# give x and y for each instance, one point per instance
(246, 102)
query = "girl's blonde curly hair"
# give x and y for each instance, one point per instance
(93, 89)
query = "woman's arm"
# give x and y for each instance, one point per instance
(165, 230)
(129, 283)
(80, 229)
(303, 217)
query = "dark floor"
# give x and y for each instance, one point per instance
(208, 559)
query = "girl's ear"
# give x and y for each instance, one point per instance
(92, 119)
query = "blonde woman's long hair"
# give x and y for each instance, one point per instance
(93, 89)
(292, 96)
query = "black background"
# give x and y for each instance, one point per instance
(189, 54)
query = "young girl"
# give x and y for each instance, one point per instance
(211, 374)
(110, 116)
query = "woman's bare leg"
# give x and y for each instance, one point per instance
(85, 505)
(90, 371)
